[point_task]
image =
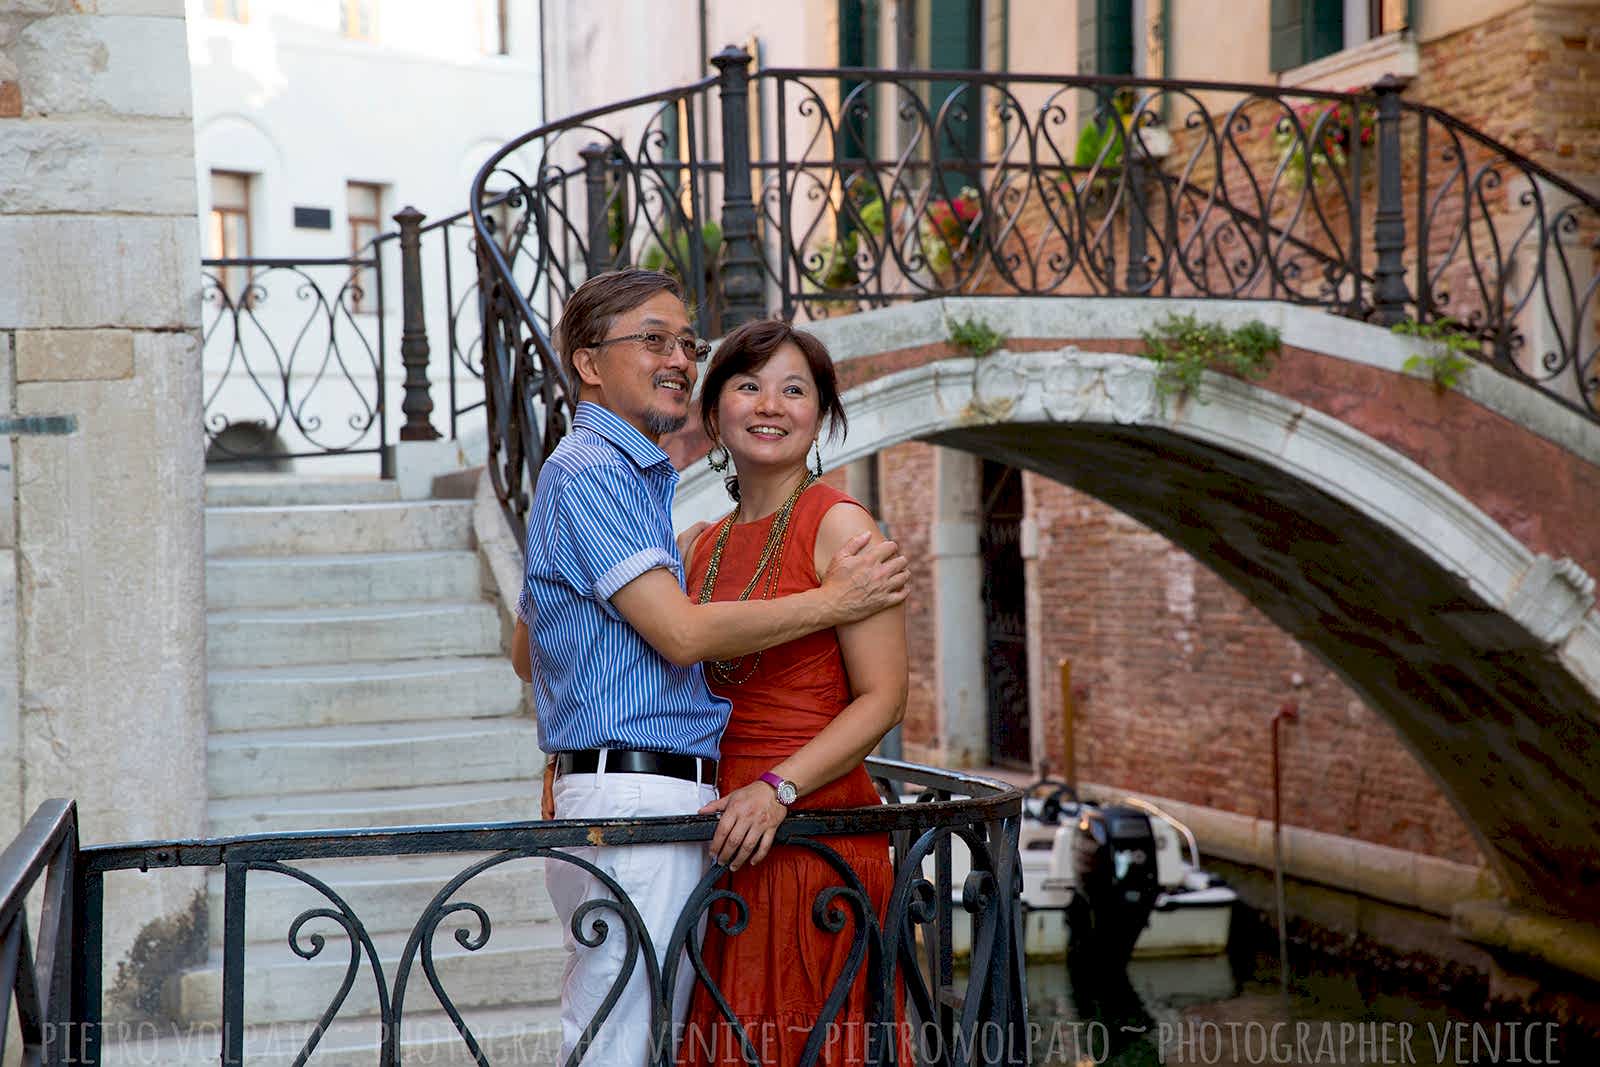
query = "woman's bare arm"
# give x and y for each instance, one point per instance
(876, 663)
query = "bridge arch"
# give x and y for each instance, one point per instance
(1482, 652)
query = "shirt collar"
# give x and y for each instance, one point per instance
(644, 452)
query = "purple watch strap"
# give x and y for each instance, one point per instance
(771, 779)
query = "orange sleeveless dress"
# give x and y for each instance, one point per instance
(777, 973)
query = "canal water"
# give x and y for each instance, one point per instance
(1349, 1003)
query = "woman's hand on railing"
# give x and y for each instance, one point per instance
(747, 821)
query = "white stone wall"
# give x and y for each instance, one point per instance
(286, 98)
(102, 645)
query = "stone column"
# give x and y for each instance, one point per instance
(958, 605)
(99, 317)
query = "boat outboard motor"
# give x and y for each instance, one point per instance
(1114, 855)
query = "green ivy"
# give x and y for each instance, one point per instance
(1453, 354)
(975, 335)
(1185, 348)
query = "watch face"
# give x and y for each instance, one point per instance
(787, 793)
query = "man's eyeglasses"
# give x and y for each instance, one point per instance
(660, 343)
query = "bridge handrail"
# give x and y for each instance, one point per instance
(526, 397)
(1460, 242)
(40, 983)
(1195, 188)
(907, 948)
(1533, 166)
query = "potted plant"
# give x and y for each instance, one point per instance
(1329, 128)
(951, 229)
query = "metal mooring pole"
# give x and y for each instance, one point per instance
(1290, 711)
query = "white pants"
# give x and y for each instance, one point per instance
(657, 878)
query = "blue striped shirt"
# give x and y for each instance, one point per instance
(601, 517)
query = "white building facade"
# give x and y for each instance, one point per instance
(315, 122)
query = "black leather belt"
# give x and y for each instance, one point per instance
(638, 761)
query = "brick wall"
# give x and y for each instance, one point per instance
(1529, 78)
(905, 483)
(1176, 677)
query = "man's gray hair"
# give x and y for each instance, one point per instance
(590, 310)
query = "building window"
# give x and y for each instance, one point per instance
(358, 19)
(858, 47)
(1304, 31)
(1105, 37)
(955, 42)
(228, 230)
(494, 27)
(365, 211)
(231, 10)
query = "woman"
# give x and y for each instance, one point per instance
(805, 714)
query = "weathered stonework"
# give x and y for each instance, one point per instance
(74, 165)
(98, 65)
(73, 355)
(88, 271)
(102, 691)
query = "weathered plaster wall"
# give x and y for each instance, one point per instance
(98, 317)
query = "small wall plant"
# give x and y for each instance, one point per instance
(975, 335)
(1447, 367)
(1186, 348)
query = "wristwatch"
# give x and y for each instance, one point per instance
(787, 791)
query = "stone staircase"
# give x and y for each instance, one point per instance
(356, 679)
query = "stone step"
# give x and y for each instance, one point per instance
(429, 805)
(264, 637)
(326, 581)
(292, 490)
(327, 693)
(371, 756)
(518, 1036)
(388, 893)
(335, 529)
(515, 965)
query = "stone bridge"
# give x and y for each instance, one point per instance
(1436, 548)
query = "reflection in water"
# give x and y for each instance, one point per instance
(1355, 1013)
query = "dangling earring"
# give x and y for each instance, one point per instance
(816, 469)
(718, 463)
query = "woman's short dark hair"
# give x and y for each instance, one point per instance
(589, 311)
(746, 350)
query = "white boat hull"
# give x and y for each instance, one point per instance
(1190, 918)
(1199, 930)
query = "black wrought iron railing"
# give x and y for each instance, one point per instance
(297, 352)
(1031, 185)
(294, 357)
(42, 984)
(917, 1000)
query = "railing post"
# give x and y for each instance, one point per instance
(742, 284)
(418, 404)
(1137, 275)
(88, 924)
(598, 255)
(1389, 294)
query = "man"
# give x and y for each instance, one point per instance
(621, 699)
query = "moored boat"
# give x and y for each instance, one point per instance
(1122, 880)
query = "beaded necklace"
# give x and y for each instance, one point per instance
(728, 672)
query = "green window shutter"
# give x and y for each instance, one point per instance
(1113, 41)
(1288, 34)
(858, 47)
(1324, 29)
(954, 39)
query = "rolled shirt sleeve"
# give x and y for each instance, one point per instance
(610, 535)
